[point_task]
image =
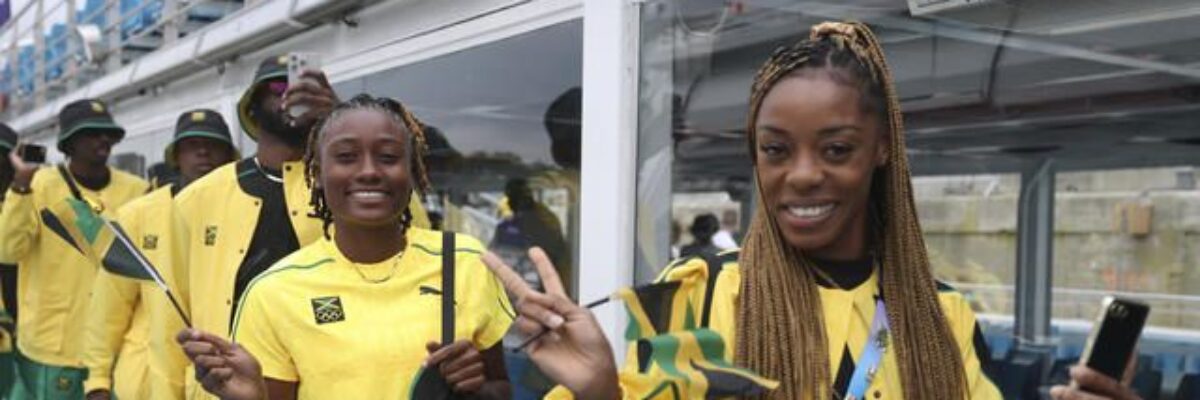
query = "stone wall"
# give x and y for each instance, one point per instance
(972, 239)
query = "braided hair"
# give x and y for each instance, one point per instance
(779, 287)
(418, 148)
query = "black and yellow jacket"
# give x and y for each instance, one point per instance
(118, 341)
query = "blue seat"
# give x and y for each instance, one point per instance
(56, 51)
(92, 13)
(1000, 344)
(1021, 375)
(1189, 388)
(1069, 351)
(1170, 361)
(1191, 364)
(1148, 383)
(528, 383)
(25, 69)
(139, 15)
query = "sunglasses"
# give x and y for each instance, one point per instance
(277, 87)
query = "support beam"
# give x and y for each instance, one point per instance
(993, 38)
(1035, 252)
(610, 69)
(655, 123)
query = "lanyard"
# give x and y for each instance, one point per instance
(871, 356)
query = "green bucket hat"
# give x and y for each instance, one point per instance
(199, 123)
(271, 68)
(85, 115)
(8, 138)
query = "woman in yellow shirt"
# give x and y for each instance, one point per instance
(833, 262)
(357, 315)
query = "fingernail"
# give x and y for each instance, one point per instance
(554, 321)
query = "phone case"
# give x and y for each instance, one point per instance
(1115, 336)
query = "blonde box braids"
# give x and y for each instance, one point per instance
(781, 327)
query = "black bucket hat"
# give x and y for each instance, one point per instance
(86, 114)
(271, 68)
(199, 123)
(8, 138)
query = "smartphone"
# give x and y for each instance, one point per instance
(33, 154)
(297, 64)
(1115, 335)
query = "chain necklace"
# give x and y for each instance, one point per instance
(395, 265)
(272, 178)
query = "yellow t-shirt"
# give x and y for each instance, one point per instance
(312, 318)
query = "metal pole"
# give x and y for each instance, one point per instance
(39, 55)
(1035, 252)
(609, 173)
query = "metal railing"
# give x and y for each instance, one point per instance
(37, 78)
(1167, 310)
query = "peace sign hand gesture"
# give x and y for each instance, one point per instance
(574, 353)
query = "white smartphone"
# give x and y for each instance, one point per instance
(297, 64)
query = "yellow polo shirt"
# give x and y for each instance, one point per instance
(312, 318)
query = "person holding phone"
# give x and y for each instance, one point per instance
(119, 341)
(262, 214)
(356, 315)
(56, 279)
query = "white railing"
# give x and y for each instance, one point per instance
(30, 27)
(1167, 310)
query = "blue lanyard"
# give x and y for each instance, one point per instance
(871, 356)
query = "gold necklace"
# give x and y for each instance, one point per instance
(395, 265)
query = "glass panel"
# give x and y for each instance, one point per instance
(1134, 233)
(504, 140)
(970, 223)
(503, 126)
(1106, 92)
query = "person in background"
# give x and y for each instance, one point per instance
(262, 213)
(530, 224)
(562, 123)
(55, 280)
(726, 239)
(118, 340)
(704, 226)
(161, 174)
(8, 272)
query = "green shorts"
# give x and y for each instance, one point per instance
(37, 381)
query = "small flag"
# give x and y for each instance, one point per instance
(104, 242)
(675, 358)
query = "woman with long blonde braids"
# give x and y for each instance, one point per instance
(832, 294)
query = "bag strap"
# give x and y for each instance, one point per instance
(714, 268)
(62, 170)
(447, 288)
